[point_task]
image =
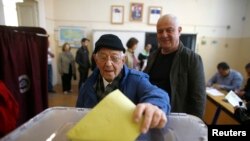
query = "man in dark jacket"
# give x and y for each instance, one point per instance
(177, 69)
(111, 73)
(82, 59)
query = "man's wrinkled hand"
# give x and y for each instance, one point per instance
(150, 115)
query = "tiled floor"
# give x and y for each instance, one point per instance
(61, 99)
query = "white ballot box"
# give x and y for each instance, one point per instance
(53, 124)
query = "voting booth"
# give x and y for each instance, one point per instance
(53, 124)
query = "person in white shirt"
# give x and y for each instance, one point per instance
(50, 71)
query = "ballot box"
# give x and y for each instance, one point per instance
(53, 124)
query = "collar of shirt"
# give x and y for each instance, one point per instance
(105, 82)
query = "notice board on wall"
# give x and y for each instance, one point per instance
(124, 36)
(71, 35)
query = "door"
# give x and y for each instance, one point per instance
(27, 13)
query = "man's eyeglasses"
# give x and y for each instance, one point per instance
(104, 57)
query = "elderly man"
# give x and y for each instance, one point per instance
(152, 102)
(177, 69)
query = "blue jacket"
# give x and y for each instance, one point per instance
(134, 84)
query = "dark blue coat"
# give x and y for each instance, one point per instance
(134, 84)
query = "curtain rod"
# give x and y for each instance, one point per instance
(43, 35)
(38, 34)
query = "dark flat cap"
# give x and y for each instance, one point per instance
(109, 41)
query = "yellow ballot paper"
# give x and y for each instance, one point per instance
(110, 120)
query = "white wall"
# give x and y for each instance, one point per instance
(208, 19)
(49, 16)
(245, 42)
(2, 21)
(41, 13)
(246, 26)
(204, 17)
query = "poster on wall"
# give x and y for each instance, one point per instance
(117, 12)
(136, 12)
(71, 34)
(154, 14)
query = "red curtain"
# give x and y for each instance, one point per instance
(9, 110)
(23, 68)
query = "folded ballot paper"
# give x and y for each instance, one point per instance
(109, 120)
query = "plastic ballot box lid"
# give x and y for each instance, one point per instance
(54, 123)
(51, 124)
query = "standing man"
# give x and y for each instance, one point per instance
(82, 59)
(177, 69)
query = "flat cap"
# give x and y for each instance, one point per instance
(109, 41)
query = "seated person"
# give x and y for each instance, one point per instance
(226, 78)
(152, 103)
(245, 93)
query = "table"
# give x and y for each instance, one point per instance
(221, 105)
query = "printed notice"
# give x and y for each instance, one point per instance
(213, 92)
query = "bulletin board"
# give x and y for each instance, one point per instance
(124, 36)
(71, 34)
